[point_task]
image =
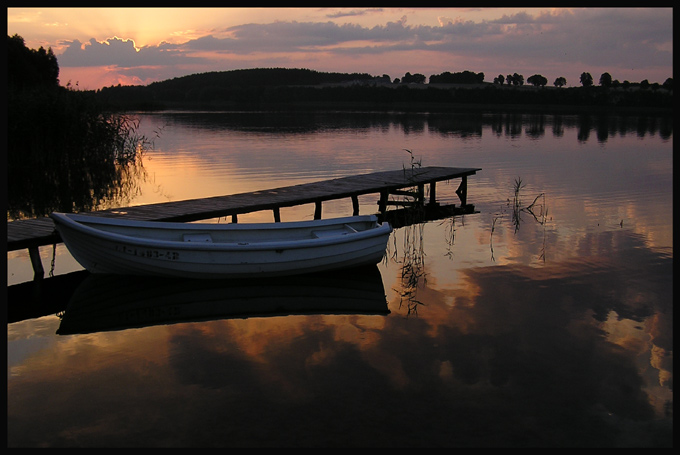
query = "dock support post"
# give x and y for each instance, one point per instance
(317, 210)
(36, 262)
(382, 204)
(277, 215)
(433, 193)
(355, 205)
(462, 191)
(420, 198)
(234, 218)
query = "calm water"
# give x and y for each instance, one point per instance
(519, 326)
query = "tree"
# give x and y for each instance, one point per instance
(668, 84)
(586, 79)
(465, 77)
(537, 80)
(606, 80)
(413, 78)
(560, 82)
(517, 79)
(499, 80)
(30, 68)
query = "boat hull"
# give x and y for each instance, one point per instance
(213, 251)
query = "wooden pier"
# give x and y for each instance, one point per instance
(34, 233)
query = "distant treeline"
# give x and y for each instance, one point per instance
(277, 88)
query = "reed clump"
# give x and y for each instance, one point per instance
(538, 210)
(413, 253)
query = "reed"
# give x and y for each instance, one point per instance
(537, 209)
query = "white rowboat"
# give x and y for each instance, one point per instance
(200, 250)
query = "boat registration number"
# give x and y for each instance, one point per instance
(168, 255)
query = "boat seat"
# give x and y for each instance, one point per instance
(346, 229)
(201, 237)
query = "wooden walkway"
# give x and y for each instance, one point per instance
(34, 233)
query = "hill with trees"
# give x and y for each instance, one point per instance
(280, 88)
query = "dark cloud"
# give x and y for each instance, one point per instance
(354, 13)
(290, 36)
(121, 53)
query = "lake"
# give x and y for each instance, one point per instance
(542, 320)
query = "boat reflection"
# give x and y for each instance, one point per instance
(109, 302)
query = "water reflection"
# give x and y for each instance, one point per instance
(105, 302)
(561, 313)
(604, 125)
(555, 337)
(511, 356)
(469, 124)
(516, 209)
(73, 183)
(411, 260)
(90, 303)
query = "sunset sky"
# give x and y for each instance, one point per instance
(98, 47)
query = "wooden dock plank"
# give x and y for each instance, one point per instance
(37, 232)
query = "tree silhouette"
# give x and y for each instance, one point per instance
(560, 82)
(515, 79)
(413, 78)
(537, 80)
(465, 77)
(606, 80)
(586, 79)
(30, 68)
